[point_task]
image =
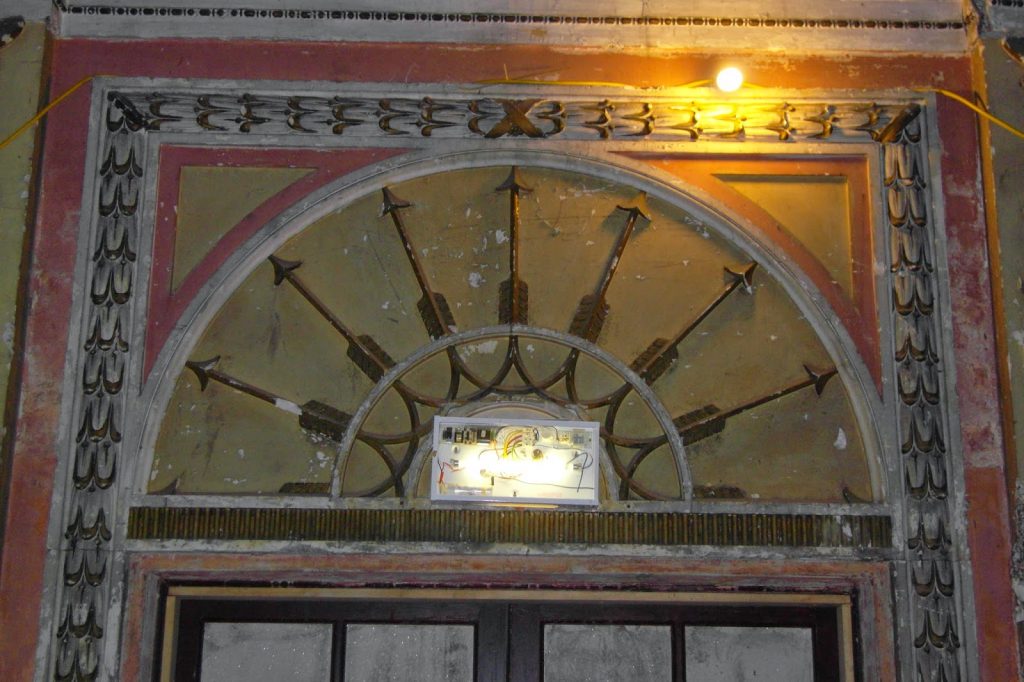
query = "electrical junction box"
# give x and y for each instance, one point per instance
(515, 461)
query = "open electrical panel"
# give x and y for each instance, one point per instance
(515, 461)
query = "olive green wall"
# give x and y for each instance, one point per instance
(1004, 75)
(21, 64)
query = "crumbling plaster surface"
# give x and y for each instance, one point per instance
(1006, 92)
(1005, 85)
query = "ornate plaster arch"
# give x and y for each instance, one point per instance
(92, 518)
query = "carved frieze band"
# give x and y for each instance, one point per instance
(453, 116)
(213, 12)
(490, 526)
(84, 593)
(931, 562)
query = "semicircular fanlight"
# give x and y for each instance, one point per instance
(528, 286)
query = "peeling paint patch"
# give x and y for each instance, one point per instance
(476, 279)
(482, 348)
(500, 237)
(840, 442)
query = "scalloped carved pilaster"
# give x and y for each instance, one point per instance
(934, 613)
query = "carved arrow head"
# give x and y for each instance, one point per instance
(391, 202)
(513, 182)
(745, 275)
(637, 206)
(202, 369)
(283, 268)
(820, 378)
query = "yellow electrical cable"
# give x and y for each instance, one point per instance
(978, 110)
(528, 81)
(42, 112)
(607, 84)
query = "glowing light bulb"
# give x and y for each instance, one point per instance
(729, 79)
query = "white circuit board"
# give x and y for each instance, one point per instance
(515, 461)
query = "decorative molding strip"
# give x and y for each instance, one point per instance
(499, 526)
(918, 27)
(934, 616)
(446, 116)
(341, 15)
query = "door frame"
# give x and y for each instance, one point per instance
(508, 621)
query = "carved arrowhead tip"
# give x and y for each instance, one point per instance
(282, 268)
(744, 274)
(202, 369)
(637, 205)
(391, 202)
(513, 182)
(820, 378)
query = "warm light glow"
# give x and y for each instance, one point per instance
(543, 461)
(729, 79)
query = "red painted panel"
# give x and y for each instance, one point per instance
(422, 63)
(165, 305)
(970, 287)
(37, 426)
(989, 539)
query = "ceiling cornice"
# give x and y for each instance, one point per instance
(920, 26)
